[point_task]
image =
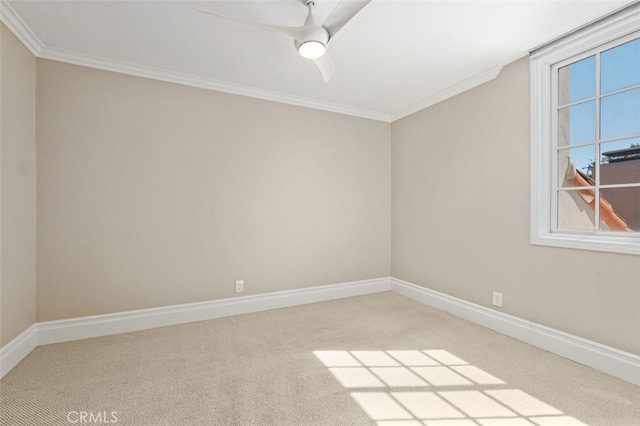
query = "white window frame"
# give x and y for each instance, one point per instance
(543, 82)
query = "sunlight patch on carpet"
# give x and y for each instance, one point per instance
(434, 388)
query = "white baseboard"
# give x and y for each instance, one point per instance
(606, 359)
(612, 361)
(103, 325)
(14, 351)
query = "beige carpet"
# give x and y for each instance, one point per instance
(380, 360)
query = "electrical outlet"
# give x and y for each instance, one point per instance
(497, 299)
(239, 286)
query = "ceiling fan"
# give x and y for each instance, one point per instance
(311, 39)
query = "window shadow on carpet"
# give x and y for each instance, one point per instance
(434, 388)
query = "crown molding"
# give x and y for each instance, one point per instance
(13, 21)
(19, 28)
(61, 55)
(449, 92)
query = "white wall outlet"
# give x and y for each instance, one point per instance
(497, 299)
(239, 286)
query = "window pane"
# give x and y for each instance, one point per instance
(620, 114)
(577, 124)
(620, 67)
(620, 162)
(621, 210)
(572, 161)
(577, 81)
(574, 211)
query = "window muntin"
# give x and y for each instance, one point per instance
(597, 116)
(590, 53)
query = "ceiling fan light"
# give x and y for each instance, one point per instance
(312, 49)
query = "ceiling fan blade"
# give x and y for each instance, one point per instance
(341, 14)
(325, 65)
(297, 33)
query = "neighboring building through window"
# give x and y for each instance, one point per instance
(586, 137)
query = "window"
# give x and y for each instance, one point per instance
(585, 137)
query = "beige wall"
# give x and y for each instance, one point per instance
(17, 188)
(154, 194)
(460, 219)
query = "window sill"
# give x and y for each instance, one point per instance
(602, 243)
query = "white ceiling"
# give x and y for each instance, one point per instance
(393, 58)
